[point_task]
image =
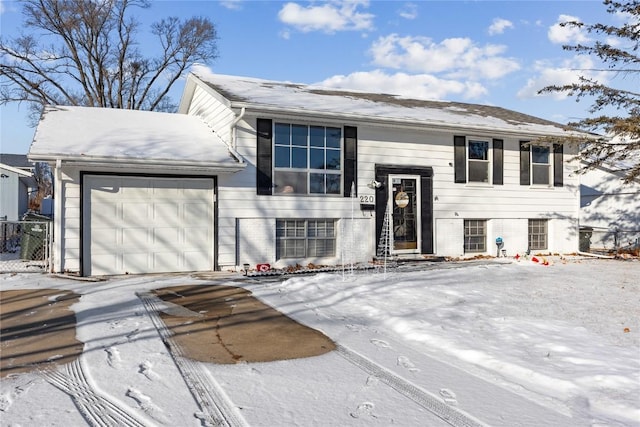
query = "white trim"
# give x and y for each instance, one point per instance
(15, 170)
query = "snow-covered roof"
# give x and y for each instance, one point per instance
(313, 100)
(115, 135)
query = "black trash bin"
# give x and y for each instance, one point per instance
(34, 234)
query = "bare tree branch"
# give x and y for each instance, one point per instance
(85, 53)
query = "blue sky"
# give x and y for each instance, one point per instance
(486, 52)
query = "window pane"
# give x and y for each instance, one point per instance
(282, 134)
(299, 135)
(478, 171)
(316, 183)
(333, 159)
(308, 148)
(540, 174)
(537, 234)
(539, 154)
(299, 158)
(479, 150)
(316, 136)
(333, 184)
(316, 158)
(333, 137)
(321, 247)
(475, 236)
(305, 238)
(283, 157)
(287, 182)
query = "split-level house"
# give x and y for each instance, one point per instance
(260, 172)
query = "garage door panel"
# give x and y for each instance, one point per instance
(103, 262)
(145, 225)
(192, 259)
(167, 237)
(195, 238)
(135, 238)
(167, 261)
(194, 212)
(166, 213)
(135, 262)
(139, 191)
(105, 213)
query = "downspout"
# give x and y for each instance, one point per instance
(56, 256)
(234, 142)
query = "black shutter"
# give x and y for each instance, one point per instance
(263, 164)
(525, 163)
(557, 165)
(498, 162)
(460, 158)
(350, 160)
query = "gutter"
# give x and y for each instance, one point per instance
(119, 162)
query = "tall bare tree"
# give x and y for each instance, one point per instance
(84, 52)
(615, 111)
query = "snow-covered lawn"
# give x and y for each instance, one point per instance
(484, 343)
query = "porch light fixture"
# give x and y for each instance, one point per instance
(374, 184)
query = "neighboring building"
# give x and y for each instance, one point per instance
(256, 171)
(16, 183)
(609, 210)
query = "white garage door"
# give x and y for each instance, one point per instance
(134, 225)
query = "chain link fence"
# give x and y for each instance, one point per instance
(25, 246)
(608, 241)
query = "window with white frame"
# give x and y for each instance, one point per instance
(478, 161)
(540, 165)
(538, 234)
(307, 159)
(305, 238)
(475, 235)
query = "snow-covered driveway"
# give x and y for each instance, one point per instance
(500, 344)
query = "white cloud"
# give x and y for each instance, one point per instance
(409, 11)
(499, 25)
(232, 4)
(567, 73)
(566, 34)
(332, 16)
(459, 57)
(423, 86)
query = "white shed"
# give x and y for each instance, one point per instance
(15, 185)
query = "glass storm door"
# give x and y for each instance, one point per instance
(405, 224)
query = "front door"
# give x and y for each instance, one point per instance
(404, 204)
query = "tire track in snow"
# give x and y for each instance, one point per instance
(96, 409)
(431, 403)
(218, 409)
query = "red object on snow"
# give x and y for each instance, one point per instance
(534, 259)
(263, 267)
(517, 256)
